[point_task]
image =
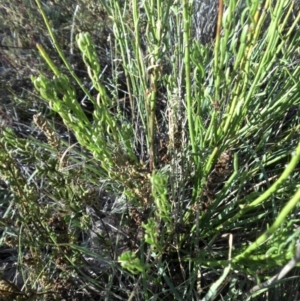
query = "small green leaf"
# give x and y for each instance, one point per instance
(130, 262)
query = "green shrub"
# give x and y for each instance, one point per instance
(202, 148)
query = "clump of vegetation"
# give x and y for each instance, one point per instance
(156, 166)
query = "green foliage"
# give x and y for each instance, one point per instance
(130, 262)
(201, 142)
(151, 234)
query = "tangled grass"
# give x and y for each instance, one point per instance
(148, 162)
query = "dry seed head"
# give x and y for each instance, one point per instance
(45, 127)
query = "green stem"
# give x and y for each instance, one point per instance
(187, 64)
(289, 169)
(62, 56)
(280, 219)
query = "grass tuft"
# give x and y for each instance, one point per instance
(149, 159)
